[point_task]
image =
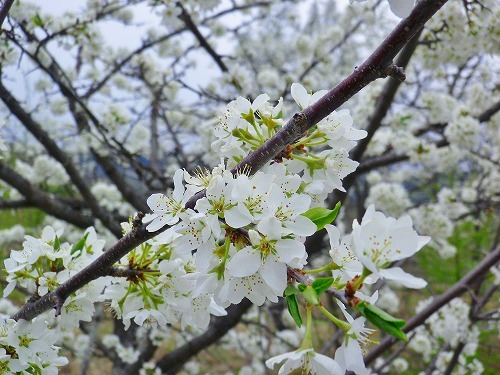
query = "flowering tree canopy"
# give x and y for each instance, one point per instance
(178, 182)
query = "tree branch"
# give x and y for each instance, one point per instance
(5, 10)
(188, 21)
(37, 197)
(173, 361)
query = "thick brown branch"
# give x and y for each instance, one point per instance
(19, 203)
(7, 4)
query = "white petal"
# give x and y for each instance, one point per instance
(333, 234)
(260, 101)
(244, 263)
(317, 96)
(274, 274)
(300, 95)
(243, 105)
(289, 249)
(270, 227)
(326, 366)
(407, 280)
(271, 362)
(238, 216)
(422, 241)
(157, 202)
(302, 226)
(300, 203)
(178, 186)
(160, 222)
(354, 358)
(401, 8)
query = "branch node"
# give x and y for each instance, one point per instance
(394, 71)
(58, 303)
(137, 221)
(300, 122)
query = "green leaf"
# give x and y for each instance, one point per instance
(322, 216)
(293, 308)
(321, 284)
(80, 244)
(383, 320)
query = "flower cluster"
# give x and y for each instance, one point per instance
(234, 234)
(443, 332)
(373, 246)
(28, 346)
(245, 231)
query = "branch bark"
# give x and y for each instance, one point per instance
(7, 4)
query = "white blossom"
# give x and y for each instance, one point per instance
(307, 361)
(378, 240)
(167, 209)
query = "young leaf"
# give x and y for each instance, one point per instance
(322, 216)
(310, 295)
(321, 284)
(290, 290)
(80, 244)
(382, 320)
(293, 308)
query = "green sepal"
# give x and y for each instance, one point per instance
(383, 320)
(242, 134)
(310, 294)
(290, 294)
(290, 290)
(80, 244)
(322, 216)
(321, 284)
